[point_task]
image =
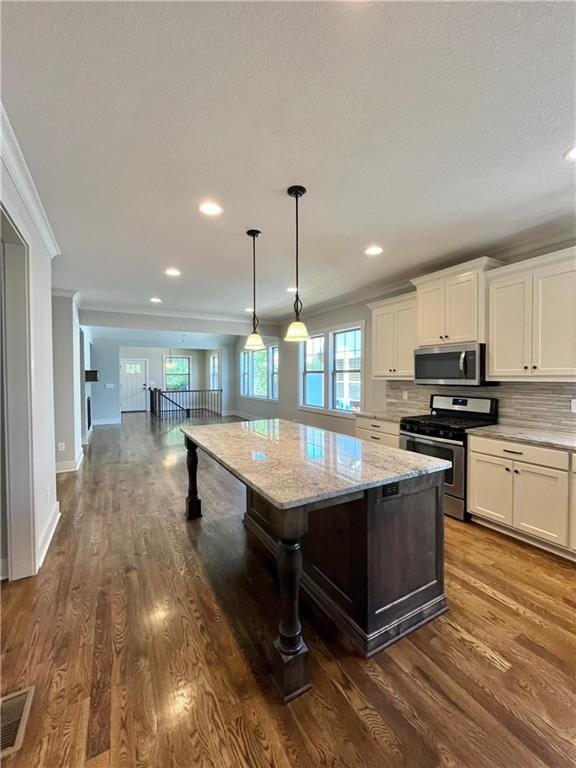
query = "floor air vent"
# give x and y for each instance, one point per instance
(14, 711)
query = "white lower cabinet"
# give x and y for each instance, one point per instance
(530, 498)
(541, 502)
(378, 431)
(491, 487)
(572, 524)
(391, 441)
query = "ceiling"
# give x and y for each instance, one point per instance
(430, 128)
(171, 339)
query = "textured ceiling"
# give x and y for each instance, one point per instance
(426, 127)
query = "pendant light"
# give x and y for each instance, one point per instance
(297, 331)
(254, 341)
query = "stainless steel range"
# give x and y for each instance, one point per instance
(442, 433)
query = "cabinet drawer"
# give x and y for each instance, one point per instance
(546, 457)
(375, 425)
(392, 441)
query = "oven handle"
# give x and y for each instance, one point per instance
(431, 440)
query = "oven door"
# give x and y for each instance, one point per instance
(441, 448)
(460, 365)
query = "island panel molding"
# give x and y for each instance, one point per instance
(362, 504)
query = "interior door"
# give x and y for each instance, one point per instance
(430, 312)
(461, 300)
(510, 333)
(133, 384)
(554, 321)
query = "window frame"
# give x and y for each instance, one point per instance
(304, 373)
(247, 374)
(329, 333)
(168, 357)
(273, 374)
(334, 371)
(211, 373)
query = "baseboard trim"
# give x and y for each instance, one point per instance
(70, 466)
(104, 422)
(247, 416)
(46, 537)
(86, 439)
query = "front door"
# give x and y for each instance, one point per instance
(133, 384)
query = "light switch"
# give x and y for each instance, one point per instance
(61, 447)
(109, 386)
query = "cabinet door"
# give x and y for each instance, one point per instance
(491, 488)
(461, 308)
(430, 313)
(554, 321)
(510, 333)
(541, 502)
(405, 339)
(392, 441)
(572, 522)
(383, 341)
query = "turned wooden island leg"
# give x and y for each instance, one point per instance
(290, 657)
(193, 502)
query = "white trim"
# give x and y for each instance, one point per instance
(64, 293)
(187, 357)
(146, 361)
(527, 539)
(167, 313)
(46, 537)
(250, 416)
(88, 437)
(19, 172)
(70, 466)
(103, 422)
(532, 264)
(483, 264)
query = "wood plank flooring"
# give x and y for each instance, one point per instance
(144, 637)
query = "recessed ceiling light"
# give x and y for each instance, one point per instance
(374, 250)
(156, 300)
(210, 208)
(291, 290)
(173, 272)
(249, 309)
(570, 155)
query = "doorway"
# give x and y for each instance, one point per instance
(18, 557)
(133, 385)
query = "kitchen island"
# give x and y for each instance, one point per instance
(360, 525)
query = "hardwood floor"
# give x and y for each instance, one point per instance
(144, 637)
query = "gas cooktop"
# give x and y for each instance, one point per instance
(450, 417)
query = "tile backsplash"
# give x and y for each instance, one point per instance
(544, 406)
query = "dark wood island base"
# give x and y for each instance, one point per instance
(374, 565)
(371, 558)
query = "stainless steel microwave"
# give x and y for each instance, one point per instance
(457, 364)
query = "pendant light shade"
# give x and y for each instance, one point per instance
(254, 341)
(297, 331)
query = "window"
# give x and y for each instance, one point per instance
(215, 371)
(347, 370)
(176, 373)
(273, 355)
(259, 373)
(313, 373)
(338, 353)
(244, 373)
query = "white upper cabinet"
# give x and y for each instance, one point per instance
(510, 333)
(451, 304)
(532, 319)
(394, 338)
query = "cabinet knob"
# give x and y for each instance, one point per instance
(389, 370)
(394, 370)
(507, 469)
(525, 367)
(446, 337)
(440, 337)
(516, 471)
(534, 367)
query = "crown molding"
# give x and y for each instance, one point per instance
(174, 315)
(15, 166)
(65, 293)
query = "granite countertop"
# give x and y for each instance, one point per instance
(291, 464)
(528, 435)
(378, 416)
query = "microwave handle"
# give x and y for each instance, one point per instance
(462, 361)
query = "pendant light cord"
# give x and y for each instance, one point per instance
(255, 321)
(297, 301)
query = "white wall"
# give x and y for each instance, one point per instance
(155, 357)
(67, 383)
(22, 203)
(253, 407)
(106, 391)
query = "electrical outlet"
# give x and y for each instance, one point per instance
(109, 386)
(404, 395)
(573, 405)
(61, 447)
